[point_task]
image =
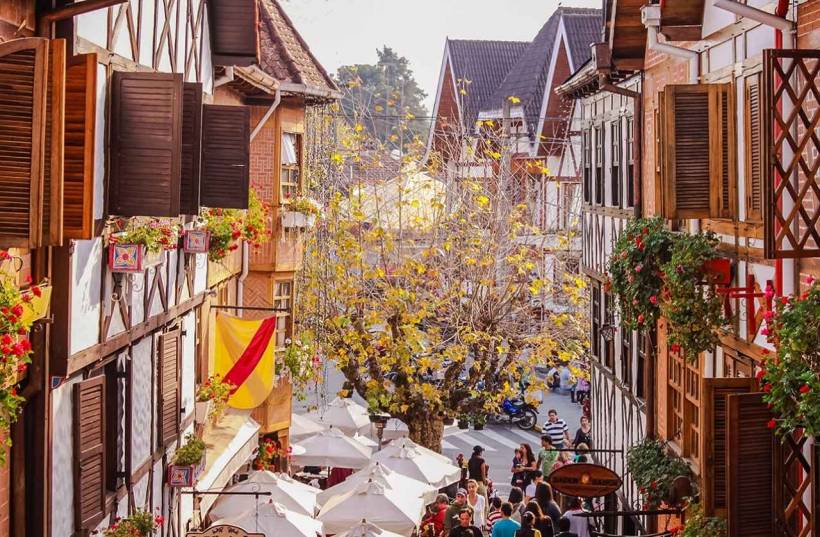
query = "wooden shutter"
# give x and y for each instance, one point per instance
(52, 227)
(714, 431)
(80, 127)
(169, 350)
(89, 446)
(233, 30)
(754, 150)
(191, 147)
(146, 129)
(749, 457)
(23, 85)
(225, 156)
(698, 178)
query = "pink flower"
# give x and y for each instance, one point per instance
(37, 291)
(674, 347)
(653, 299)
(805, 388)
(767, 388)
(764, 332)
(809, 280)
(638, 268)
(771, 424)
(769, 292)
(760, 374)
(640, 318)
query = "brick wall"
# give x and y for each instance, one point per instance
(808, 24)
(263, 176)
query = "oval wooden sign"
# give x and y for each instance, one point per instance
(223, 531)
(584, 480)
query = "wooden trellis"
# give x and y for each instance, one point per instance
(792, 152)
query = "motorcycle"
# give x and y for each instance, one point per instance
(518, 412)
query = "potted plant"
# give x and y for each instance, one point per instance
(138, 243)
(690, 302)
(791, 380)
(228, 227)
(699, 525)
(139, 524)
(654, 469)
(463, 422)
(300, 212)
(188, 463)
(635, 274)
(479, 420)
(212, 399)
(269, 456)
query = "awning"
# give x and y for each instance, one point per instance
(228, 445)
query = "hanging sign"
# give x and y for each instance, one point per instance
(584, 480)
(223, 530)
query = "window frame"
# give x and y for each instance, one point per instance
(599, 193)
(616, 132)
(289, 170)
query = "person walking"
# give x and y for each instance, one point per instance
(477, 502)
(546, 501)
(516, 499)
(557, 429)
(436, 516)
(542, 522)
(506, 527)
(518, 472)
(546, 455)
(495, 512)
(578, 524)
(529, 492)
(528, 463)
(584, 433)
(527, 529)
(465, 527)
(452, 513)
(478, 470)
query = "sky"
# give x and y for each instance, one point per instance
(344, 32)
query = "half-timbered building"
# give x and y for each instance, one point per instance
(717, 103)
(134, 108)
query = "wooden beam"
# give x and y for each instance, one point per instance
(72, 10)
(682, 33)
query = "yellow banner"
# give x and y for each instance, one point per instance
(233, 337)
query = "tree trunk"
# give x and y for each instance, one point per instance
(426, 431)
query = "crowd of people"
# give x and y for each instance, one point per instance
(532, 508)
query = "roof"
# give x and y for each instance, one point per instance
(286, 56)
(527, 80)
(484, 64)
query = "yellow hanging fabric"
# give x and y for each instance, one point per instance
(244, 355)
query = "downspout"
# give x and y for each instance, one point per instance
(240, 286)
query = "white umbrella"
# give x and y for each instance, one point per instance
(407, 443)
(332, 448)
(387, 508)
(377, 473)
(345, 414)
(365, 441)
(413, 462)
(274, 519)
(282, 489)
(303, 426)
(366, 529)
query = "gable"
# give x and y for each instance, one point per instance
(556, 108)
(447, 113)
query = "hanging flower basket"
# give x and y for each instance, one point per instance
(297, 220)
(196, 241)
(131, 258)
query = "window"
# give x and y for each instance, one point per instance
(599, 165)
(587, 149)
(630, 162)
(595, 336)
(737, 364)
(289, 180)
(615, 163)
(645, 346)
(626, 358)
(609, 346)
(283, 303)
(683, 398)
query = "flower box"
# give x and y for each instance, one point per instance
(131, 258)
(201, 411)
(295, 219)
(196, 241)
(185, 476)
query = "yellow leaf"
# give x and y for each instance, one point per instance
(513, 99)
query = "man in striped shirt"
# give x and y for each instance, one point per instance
(557, 429)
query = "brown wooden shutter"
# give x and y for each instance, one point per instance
(225, 156)
(146, 129)
(191, 147)
(714, 430)
(233, 30)
(698, 167)
(89, 446)
(169, 350)
(754, 150)
(749, 460)
(80, 127)
(52, 227)
(23, 85)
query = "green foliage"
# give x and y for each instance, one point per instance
(302, 362)
(153, 233)
(700, 525)
(690, 303)
(653, 469)
(635, 271)
(139, 524)
(229, 227)
(218, 392)
(792, 381)
(390, 91)
(304, 205)
(190, 454)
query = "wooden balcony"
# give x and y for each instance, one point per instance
(283, 253)
(219, 271)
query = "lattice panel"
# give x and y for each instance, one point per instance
(792, 487)
(791, 140)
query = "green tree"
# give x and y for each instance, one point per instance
(389, 91)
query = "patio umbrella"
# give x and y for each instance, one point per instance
(282, 489)
(407, 443)
(332, 448)
(415, 463)
(389, 509)
(303, 426)
(365, 441)
(344, 414)
(366, 529)
(274, 519)
(377, 473)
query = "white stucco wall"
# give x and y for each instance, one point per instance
(86, 268)
(142, 372)
(62, 465)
